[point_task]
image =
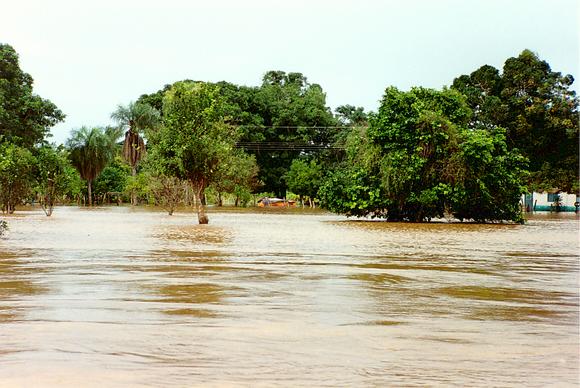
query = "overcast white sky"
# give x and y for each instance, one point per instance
(88, 57)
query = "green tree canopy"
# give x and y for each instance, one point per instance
(277, 122)
(237, 175)
(53, 176)
(25, 118)
(16, 175)
(419, 160)
(538, 110)
(113, 178)
(293, 112)
(351, 115)
(304, 178)
(194, 139)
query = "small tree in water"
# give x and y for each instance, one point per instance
(52, 176)
(16, 167)
(194, 139)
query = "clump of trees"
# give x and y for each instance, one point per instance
(539, 112)
(29, 167)
(418, 160)
(468, 151)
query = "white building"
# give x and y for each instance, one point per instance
(551, 201)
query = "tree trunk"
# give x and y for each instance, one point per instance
(49, 203)
(199, 195)
(90, 190)
(133, 194)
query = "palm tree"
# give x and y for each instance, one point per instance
(135, 118)
(90, 152)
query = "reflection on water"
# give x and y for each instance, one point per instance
(121, 296)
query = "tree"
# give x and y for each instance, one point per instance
(135, 119)
(90, 152)
(351, 115)
(304, 178)
(418, 160)
(16, 175)
(236, 175)
(168, 191)
(294, 121)
(113, 179)
(282, 119)
(538, 110)
(75, 185)
(53, 179)
(194, 139)
(25, 118)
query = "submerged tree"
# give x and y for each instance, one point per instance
(16, 175)
(135, 119)
(53, 177)
(304, 178)
(419, 160)
(237, 175)
(194, 139)
(90, 152)
(168, 191)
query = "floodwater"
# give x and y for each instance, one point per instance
(129, 297)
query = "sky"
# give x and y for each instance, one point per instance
(90, 56)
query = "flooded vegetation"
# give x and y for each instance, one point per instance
(126, 296)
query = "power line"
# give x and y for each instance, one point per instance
(284, 146)
(295, 127)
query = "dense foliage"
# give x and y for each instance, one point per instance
(467, 152)
(134, 119)
(419, 160)
(16, 175)
(53, 176)
(194, 140)
(538, 110)
(25, 118)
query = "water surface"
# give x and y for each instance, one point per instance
(123, 297)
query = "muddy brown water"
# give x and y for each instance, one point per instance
(128, 297)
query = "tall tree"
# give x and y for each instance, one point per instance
(25, 118)
(304, 178)
(90, 152)
(538, 110)
(295, 117)
(135, 119)
(194, 139)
